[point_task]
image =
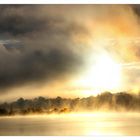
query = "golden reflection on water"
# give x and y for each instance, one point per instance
(92, 124)
(103, 133)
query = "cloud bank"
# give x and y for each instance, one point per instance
(50, 42)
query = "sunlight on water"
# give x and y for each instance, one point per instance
(94, 124)
(103, 133)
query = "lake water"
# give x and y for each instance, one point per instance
(72, 124)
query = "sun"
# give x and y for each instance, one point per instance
(104, 74)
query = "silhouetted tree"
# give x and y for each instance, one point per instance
(102, 101)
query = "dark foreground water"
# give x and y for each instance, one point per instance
(72, 124)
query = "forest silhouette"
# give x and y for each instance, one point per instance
(103, 102)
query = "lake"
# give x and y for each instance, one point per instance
(76, 124)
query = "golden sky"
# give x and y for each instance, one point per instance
(68, 50)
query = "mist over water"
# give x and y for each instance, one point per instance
(75, 124)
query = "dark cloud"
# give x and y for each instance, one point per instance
(37, 66)
(45, 51)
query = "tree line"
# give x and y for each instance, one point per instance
(103, 102)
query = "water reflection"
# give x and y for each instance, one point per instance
(102, 133)
(72, 124)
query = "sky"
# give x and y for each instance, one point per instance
(68, 50)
